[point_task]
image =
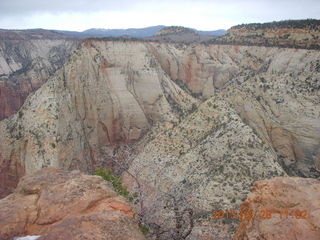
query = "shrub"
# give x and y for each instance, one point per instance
(144, 229)
(108, 175)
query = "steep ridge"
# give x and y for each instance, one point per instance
(25, 64)
(205, 121)
(208, 162)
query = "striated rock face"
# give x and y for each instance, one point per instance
(26, 62)
(294, 205)
(57, 204)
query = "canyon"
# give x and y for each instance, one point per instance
(198, 124)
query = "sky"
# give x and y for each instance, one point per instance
(79, 15)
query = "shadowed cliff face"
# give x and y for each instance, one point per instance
(25, 64)
(205, 121)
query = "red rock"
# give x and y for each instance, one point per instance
(57, 204)
(281, 196)
(9, 175)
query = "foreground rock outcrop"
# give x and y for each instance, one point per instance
(293, 206)
(57, 204)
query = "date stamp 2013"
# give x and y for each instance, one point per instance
(259, 214)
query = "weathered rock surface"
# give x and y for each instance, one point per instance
(210, 159)
(26, 62)
(57, 204)
(294, 204)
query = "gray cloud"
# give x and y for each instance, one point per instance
(15, 12)
(10, 7)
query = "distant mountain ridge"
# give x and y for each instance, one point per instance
(139, 33)
(130, 32)
(133, 32)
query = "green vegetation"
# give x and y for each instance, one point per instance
(174, 30)
(108, 175)
(144, 229)
(20, 114)
(311, 24)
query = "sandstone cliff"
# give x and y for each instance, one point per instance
(57, 204)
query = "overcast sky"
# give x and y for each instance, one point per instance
(202, 14)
